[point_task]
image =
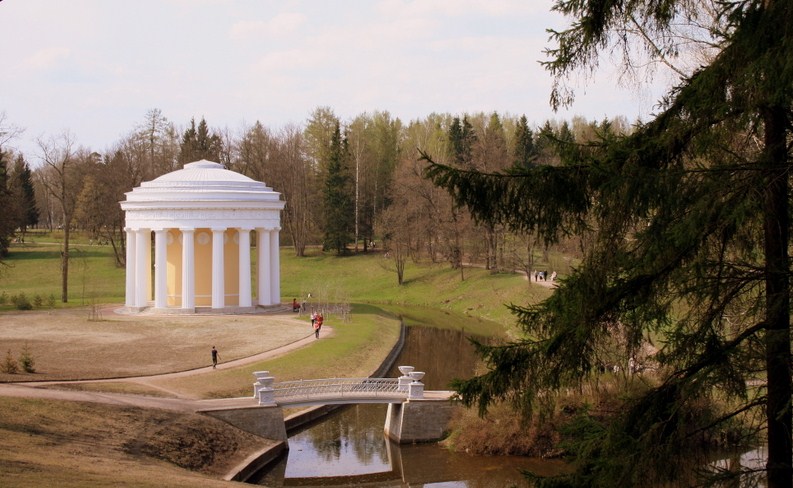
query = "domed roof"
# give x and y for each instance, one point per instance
(202, 172)
(200, 194)
(202, 180)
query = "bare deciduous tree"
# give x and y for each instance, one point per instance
(62, 183)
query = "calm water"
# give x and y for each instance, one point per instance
(348, 448)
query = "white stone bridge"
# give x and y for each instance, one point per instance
(414, 415)
(333, 391)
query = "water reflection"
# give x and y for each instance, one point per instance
(349, 449)
(350, 442)
(444, 354)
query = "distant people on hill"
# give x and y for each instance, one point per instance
(295, 305)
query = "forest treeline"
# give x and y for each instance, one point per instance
(347, 184)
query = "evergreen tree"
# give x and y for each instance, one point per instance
(25, 195)
(461, 138)
(338, 201)
(197, 143)
(524, 153)
(7, 218)
(461, 141)
(689, 220)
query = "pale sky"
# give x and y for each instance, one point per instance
(95, 67)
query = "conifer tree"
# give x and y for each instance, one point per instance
(689, 224)
(25, 195)
(7, 220)
(524, 152)
(338, 201)
(461, 141)
(197, 143)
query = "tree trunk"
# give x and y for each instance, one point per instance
(778, 367)
(65, 265)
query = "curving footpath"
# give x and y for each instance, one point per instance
(35, 390)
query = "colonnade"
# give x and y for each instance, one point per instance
(187, 274)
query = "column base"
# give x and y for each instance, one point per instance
(189, 311)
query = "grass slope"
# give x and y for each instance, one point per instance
(71, 444)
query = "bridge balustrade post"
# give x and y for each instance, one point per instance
(264, 383)
(405, 379)
(416, 387)
(267, 396)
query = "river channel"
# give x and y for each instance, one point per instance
(349, 448)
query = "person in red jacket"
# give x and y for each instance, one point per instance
(317, 325)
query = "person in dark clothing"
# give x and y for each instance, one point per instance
(215, 357)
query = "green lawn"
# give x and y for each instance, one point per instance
(33, 268)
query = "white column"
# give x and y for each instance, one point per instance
(275, 267)
(263, 271)
(149, 283)
(245, 267)
(218, 272)
(188, 271)
(142, 269)
(130, 283)
(160, 269)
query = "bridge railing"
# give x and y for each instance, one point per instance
(354, 388)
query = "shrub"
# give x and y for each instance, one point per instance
(26, 360)
(38, 301)
(21, 302)
(501, 432)
(51, 301)
(10, 364)
(3, 298)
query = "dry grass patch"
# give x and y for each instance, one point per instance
(48, 443)
(502, 433)
(65, 344)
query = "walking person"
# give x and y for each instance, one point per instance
(215, 357)
(317, 325)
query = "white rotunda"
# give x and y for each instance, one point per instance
(201, 218)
